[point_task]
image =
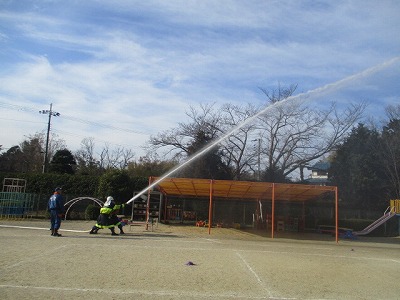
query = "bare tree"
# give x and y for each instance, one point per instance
(296, 134)
(393, 112)
(239, 151)
(126, 157)
(204, 126)
(285, 139)
(85, 157)
(107, 158)
(150, 165)
(102, 157)
(178, 140)
(118, 158)
(55, 143)
(28, 156)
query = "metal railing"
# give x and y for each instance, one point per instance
(13, 204)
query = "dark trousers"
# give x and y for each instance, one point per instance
(55, 220)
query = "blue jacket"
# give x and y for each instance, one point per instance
(56, 203)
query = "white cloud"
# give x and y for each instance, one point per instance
(140, 64)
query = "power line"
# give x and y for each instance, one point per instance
(17, 107)
(103, 125)
(64, 116)
(22, 121)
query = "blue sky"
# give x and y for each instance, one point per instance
(120, 71)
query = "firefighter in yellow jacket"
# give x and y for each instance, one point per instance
(108, 217)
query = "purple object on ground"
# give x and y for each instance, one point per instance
(189, 263)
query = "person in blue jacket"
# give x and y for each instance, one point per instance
(108, 217)
(55, 206)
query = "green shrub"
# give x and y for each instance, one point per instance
(92, 212)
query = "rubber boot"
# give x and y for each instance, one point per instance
(94, 230)
(113, 231)
(121, 231)
(56, 233)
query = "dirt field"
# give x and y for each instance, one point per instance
(228, 264)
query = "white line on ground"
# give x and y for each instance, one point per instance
(171, 293)
(260, 251)
(193, 240)
(263, 285)
(324, 255)
(297, 247)
(40, 228)
(214, 240)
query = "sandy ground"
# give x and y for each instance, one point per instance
(228, 264)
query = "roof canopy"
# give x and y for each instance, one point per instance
(243, 190)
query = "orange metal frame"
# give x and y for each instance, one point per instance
(245, 190)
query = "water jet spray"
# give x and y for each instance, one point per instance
(326, 88)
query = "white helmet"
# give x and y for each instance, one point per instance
(109, 201)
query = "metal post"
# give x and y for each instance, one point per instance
(336, 216)
(210, 206)
(273, 211)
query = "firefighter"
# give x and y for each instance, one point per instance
(108, 217)
(55, 207)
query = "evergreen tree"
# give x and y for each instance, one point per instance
(274, 174)
(357, 170)
(390, 149)
(11, 160)
(63, 162)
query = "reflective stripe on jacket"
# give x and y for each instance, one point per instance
(109, 210)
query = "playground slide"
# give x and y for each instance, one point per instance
(386, 216)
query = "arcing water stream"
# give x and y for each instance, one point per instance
(318, 91)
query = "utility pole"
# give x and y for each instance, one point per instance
(50, 113)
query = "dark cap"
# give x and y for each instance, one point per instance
(58, 189)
